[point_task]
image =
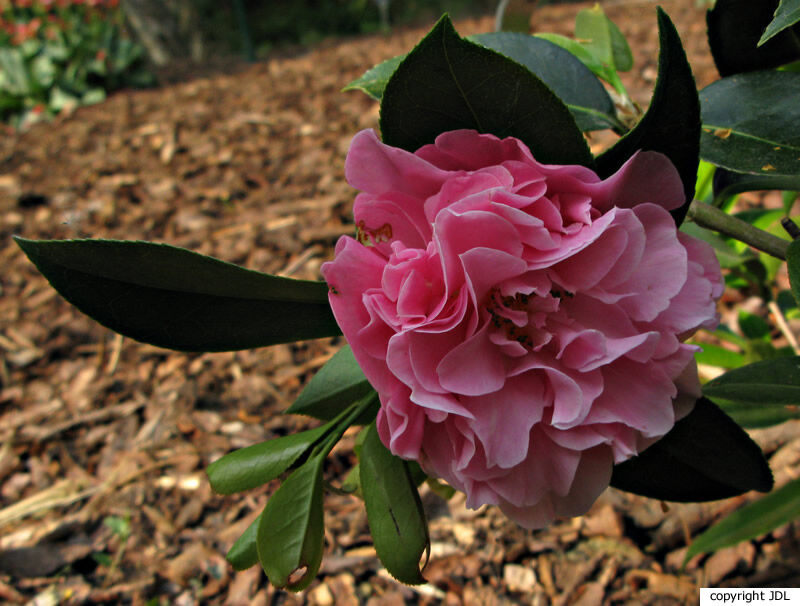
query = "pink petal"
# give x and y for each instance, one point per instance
(503, 420)
(484, 268)
(458, 233)
(647, 177)
(474, 367)
(376, 168)
(662, 271)
(469, 150)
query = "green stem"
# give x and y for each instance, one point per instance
(711, 217)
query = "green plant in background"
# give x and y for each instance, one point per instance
(57, 55)
(120, 527)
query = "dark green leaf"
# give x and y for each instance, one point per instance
(290, 532)
(793, 265)
(448, 83)
(753, 326)
(559, 69)
(394, 510)
(728, 183)
(255, 465)
(601, 37)
(775, 381)
(734, 30)
(373, 82)
(244, 552)
(672, 122)
(786, 15)
(750, 123)
(172, 297)
(754, 520)
(334, 387)
(705, 457)
(758, 415)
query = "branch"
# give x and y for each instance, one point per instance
(711, 217)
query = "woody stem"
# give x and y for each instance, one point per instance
(711, 217)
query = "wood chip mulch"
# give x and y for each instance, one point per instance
(103, 441)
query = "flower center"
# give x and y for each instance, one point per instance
(521, 320)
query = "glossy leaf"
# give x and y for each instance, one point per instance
(255, 465)
(672, 122)
(728, 183)
(753, 520)
(448, 83)
(758, 415)
(735, 28)
(559, 69)
(244, 552)
(334, 387)
(786, 15)
(592, 63)
(602, 38)
(290, 533)
(750, 123)
(175, 298)
(775, 381)
(793, 265)
(374, 80)
(394, 510)
(706, 456)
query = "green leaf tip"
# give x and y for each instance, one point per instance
(448, 83)
(671, 124)
(756, 519)
(706, 456)
(290, 534)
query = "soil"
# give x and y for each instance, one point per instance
(103, 497)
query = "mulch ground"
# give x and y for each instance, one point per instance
(103, 441)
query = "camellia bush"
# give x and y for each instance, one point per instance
(518, 312)
(59, 54)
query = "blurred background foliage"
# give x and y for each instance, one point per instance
(56, 55)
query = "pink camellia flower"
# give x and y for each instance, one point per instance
(523, 323)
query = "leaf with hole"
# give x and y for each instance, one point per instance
(290, 533)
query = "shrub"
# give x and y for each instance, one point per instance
(58, 54)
